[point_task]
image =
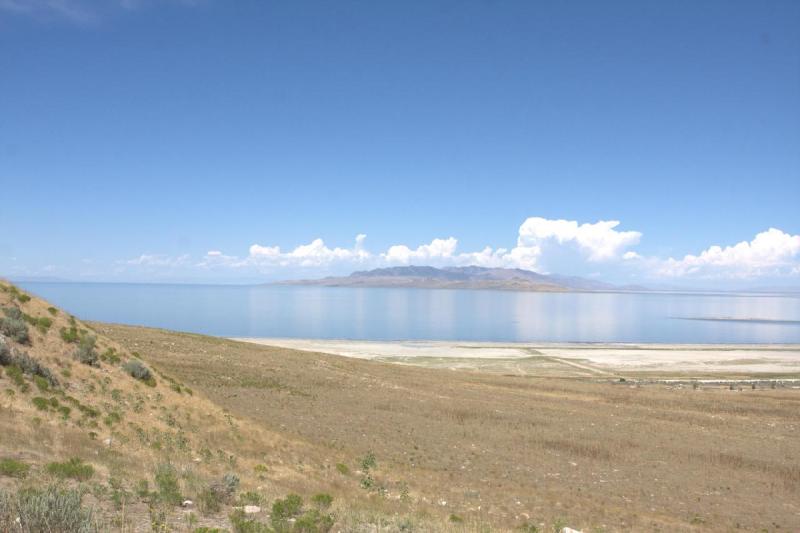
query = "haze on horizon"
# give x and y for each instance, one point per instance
(630, 142)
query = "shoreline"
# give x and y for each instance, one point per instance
(564, 359)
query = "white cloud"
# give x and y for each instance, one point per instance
(438, 249)
(770, 253)
(600, 241)
(156, 260)
(565, 246)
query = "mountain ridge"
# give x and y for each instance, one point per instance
(466, 277)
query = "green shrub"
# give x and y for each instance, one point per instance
(313, 521)
(13, 468)
(52, 310)
(14, 326)
(167, 482)
(41, 403)
(15, 374)
(69, 334)
(110, 356)
(41, 383)
(72, 469)
(86, 353)
(50, 509)
(112, 418)
(283, 510)
(137, 370)
(41, 323)
(368, 462)
(23, 298)
(251, 498)
(243, 524)
(342, 469)
(322, 500)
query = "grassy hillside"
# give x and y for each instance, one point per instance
(88, 425)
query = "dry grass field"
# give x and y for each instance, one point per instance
(498, 451)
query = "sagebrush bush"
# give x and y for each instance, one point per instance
(72, 469)
(51, 509)
(86, 353)
(137, 370)
(22, 362)
(13, 325)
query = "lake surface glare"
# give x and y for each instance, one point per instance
(422, 314)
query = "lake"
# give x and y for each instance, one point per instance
(422, 314)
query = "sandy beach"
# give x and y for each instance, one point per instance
(573, 359)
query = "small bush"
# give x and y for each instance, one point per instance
(49, 509)
(69, 334)
(251, 498)
(14, 327)
(13, 468)
(110, 356)
(15, 374)
(342, 468)
(283, 510)
(41, 323)
(41, 403)
(243, 524)
(137, 370)
(23, 298)
(167, 483)
(52, 310)
(41, 383)
(86, 353)
(210, 500)
(72, 469)
(230, 482)
(322, 500)
(368, 462)
(313, 522)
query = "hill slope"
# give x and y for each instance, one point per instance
(79, 412)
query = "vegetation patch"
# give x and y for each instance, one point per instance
(71, 469)
(86, 352)
(137, 370)
(13, 325)
(13, 468)
(48, 509)
(167, 482)
(13, 358)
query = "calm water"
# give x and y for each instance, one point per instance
(391, 314)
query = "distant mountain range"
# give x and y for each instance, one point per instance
(469, 277)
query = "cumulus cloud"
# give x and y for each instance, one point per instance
(569, 246)
(599, 241)
(770, 253)
(156, 260)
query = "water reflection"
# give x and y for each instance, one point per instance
(391, 314)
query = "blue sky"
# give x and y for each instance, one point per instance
(138, 136)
